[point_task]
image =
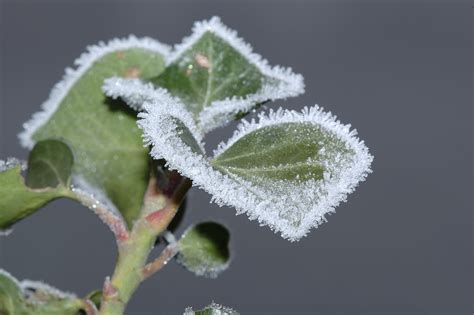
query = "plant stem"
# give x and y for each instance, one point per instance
(130, 269)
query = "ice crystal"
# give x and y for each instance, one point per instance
(30, 287)
(11, 162)
(289, 207)
(133, 92)
(6, 232)
(213, 309)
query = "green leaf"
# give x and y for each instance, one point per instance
(204, 249)
(109, 154)
(17, 200)
(216, 75)
(287, 151)
(49, 165)
(35, 298)
(288, 170)
(213, 309)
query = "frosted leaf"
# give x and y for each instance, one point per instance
(37, 298)
(17, 200)
(204, 249)
(216, 76)
(306, 163)
(213, 309)
(71, 76)
(102, 134)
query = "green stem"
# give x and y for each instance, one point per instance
(130, 269)
(127, 276)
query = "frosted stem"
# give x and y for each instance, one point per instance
(113, 221)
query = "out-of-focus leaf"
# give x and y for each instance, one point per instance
(204, 249)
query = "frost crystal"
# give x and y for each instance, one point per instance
(291, 208)
(6, 232)
(33, 286)
(281, 83)
(213, 309)
(134, 92)
(11, 162)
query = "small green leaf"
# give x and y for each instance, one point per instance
(35, 298)
(106, 143)
(18, 200)
(49, 165)
(213, 309)
(204, 249)
(215, 74)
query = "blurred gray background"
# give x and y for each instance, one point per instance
(398, 71)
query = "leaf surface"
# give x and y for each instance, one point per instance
(18, 200)
(35, 298)
(50, 165)
(204, 249)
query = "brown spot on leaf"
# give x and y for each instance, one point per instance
(132, 73)
(202, 61)
(120, 55)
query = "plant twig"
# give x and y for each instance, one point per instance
(132, 268)
(169, 252)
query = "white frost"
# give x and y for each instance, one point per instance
(134, 92)
(27, 285)
(220, 112)
(284, 203)
(11, 162)
(6, 274)
(215, 308)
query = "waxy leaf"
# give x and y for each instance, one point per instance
(109, 156)
(18, 200)
(204, 249)
(216, 75)
(288, 170)
(36, 298)
(49, 165)
(213, 309)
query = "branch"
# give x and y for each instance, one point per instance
(169, 252)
